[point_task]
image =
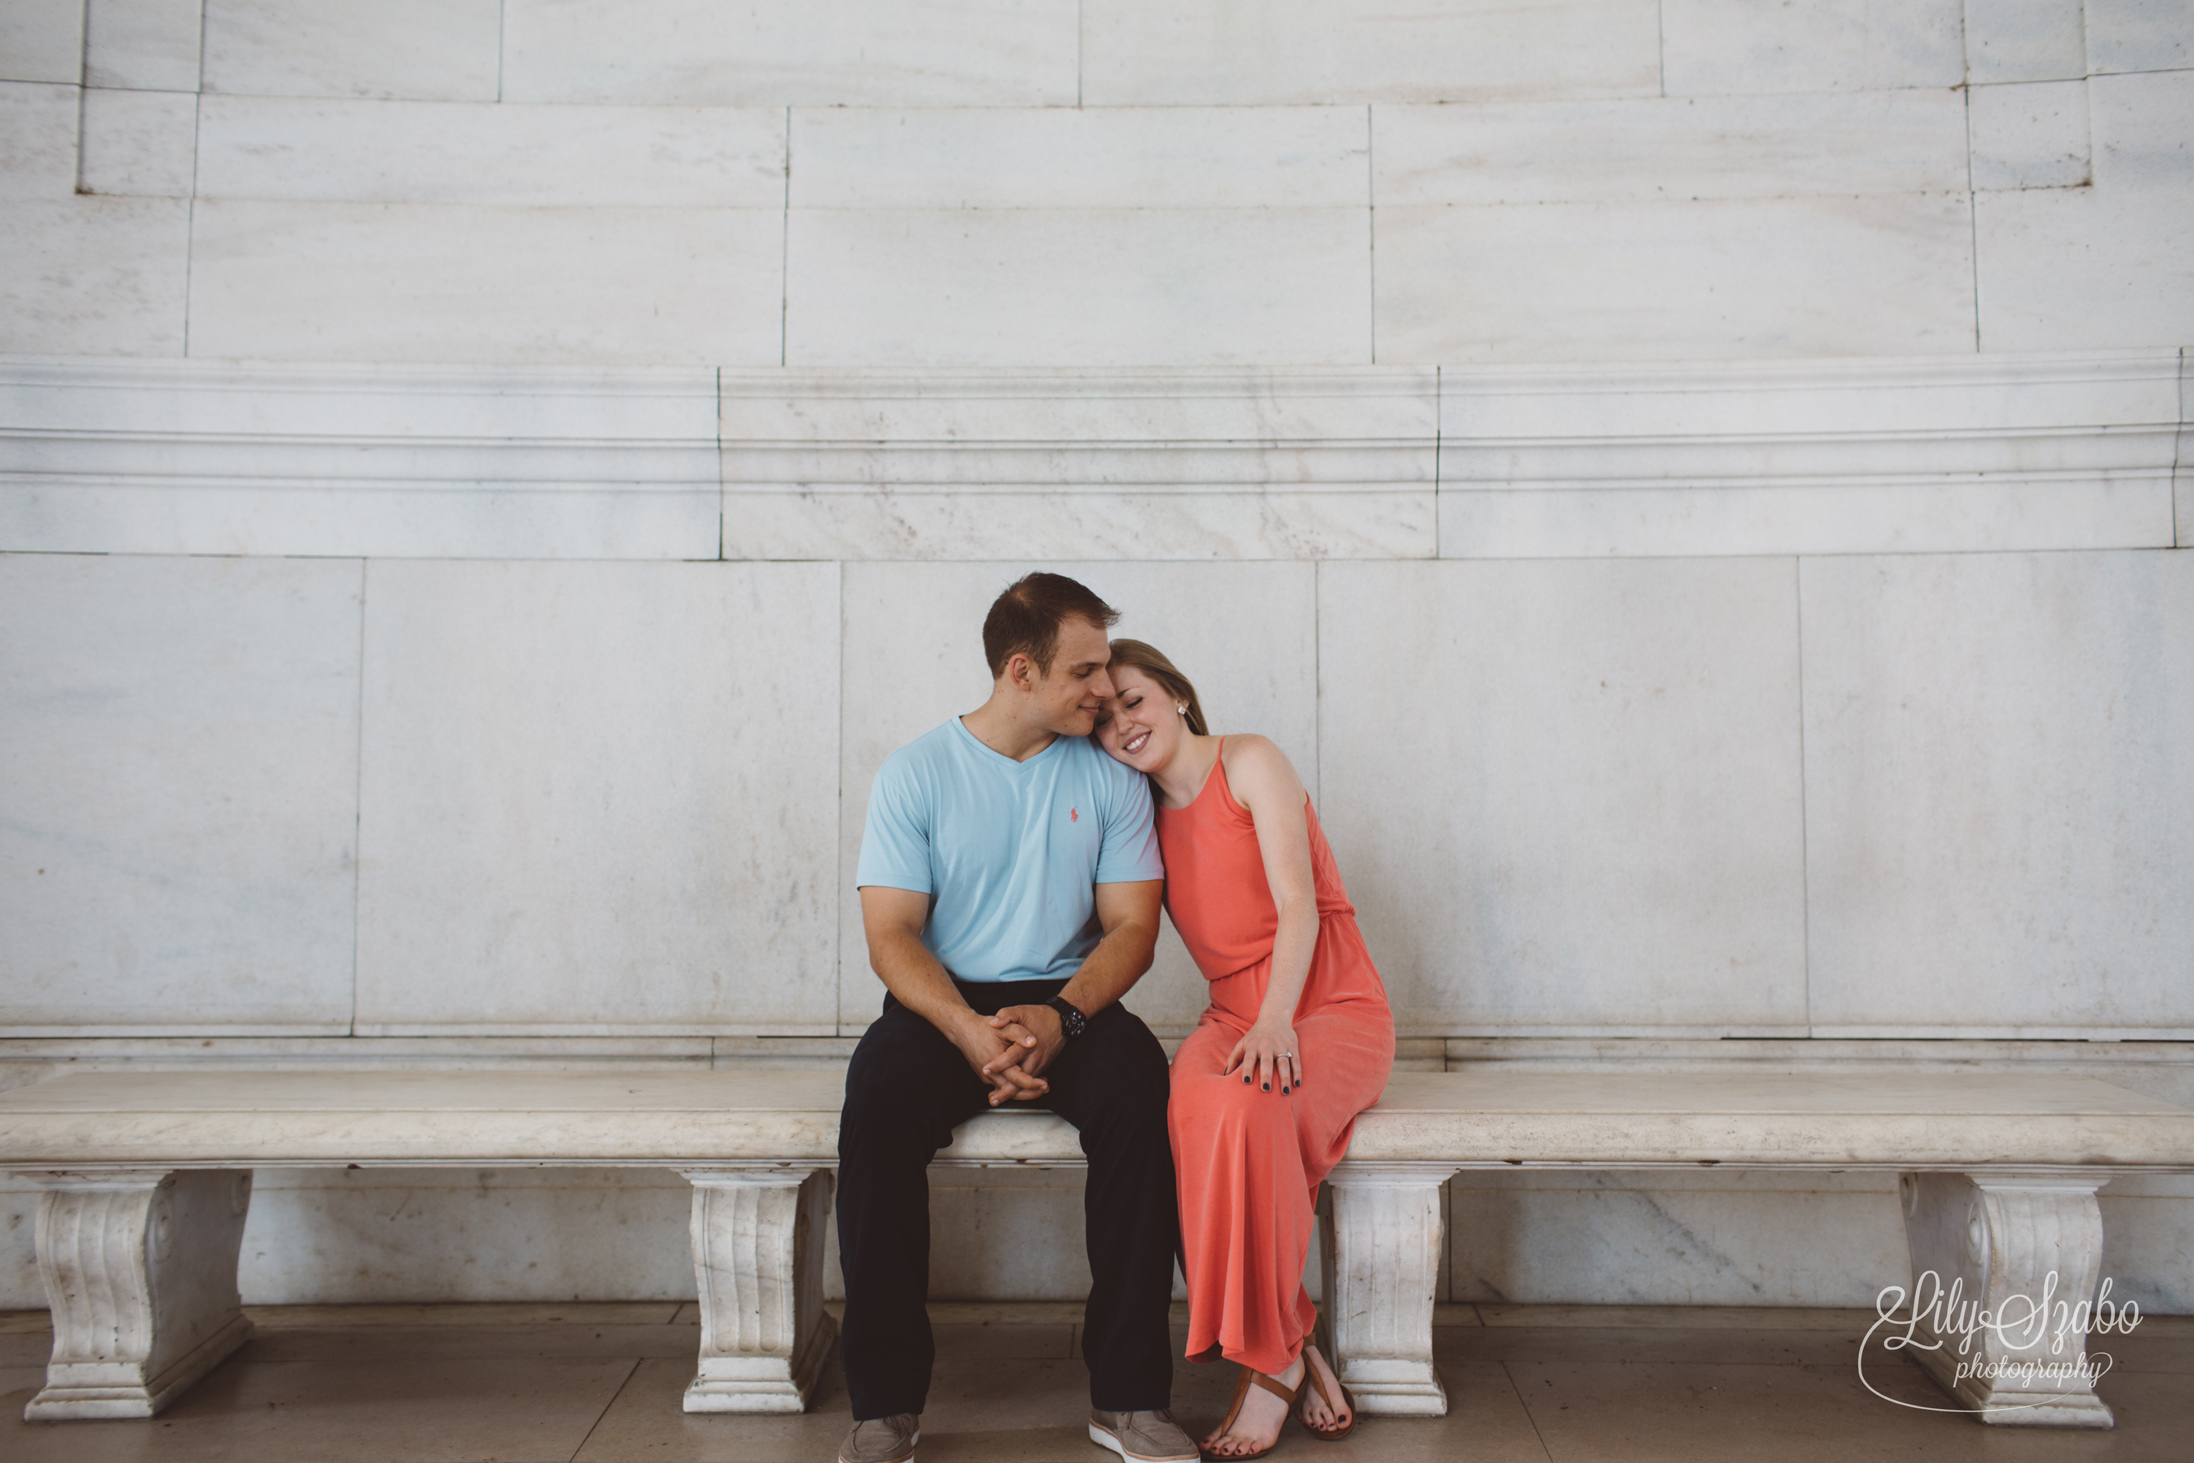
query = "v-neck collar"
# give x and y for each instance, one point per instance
(960, 724)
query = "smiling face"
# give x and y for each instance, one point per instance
(1141, 727)
(1069, 698)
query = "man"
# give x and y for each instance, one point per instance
(1010, 885)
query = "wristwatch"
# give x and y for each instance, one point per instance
(1073, 1021)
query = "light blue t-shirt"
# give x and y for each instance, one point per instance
(1010, 851)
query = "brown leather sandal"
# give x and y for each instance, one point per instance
(1348, 1403)
(1278, 1389)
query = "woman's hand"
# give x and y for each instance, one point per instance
(1267, 1055)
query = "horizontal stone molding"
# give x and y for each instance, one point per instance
(398, 461)
(1202, 464)
(1080, 409)
(1908, 454)
(1936, 454)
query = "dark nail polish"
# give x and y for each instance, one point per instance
(1283, 1089)
(1245, 1080)
(1265, 1086)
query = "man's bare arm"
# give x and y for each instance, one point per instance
(893, 920)
(1129, 916)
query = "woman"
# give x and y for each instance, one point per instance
(1253, 890)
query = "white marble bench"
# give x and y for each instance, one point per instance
(147, 1178)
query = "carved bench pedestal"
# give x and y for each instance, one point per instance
(140, 1272)
(1384, 1231)
(758, 1264)
(2028, 1250)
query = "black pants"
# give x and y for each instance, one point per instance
(907, 1088)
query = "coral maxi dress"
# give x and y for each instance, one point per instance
(1250, 1161)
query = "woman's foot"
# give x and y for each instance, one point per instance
(1316, 1413)
(1257, 1426)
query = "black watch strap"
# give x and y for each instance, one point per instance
(1072, 1020)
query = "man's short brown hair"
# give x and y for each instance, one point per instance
(1025, 620)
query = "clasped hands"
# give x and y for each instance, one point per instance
(1010, 1050)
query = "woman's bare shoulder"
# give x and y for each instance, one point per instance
(1250, 744)
(1255, 763)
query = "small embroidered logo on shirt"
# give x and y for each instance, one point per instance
(1074, 815)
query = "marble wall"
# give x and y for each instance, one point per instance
(1693, 483)
(1299, 183)
(2060, 826)
(1567, 792)
(179, 847)
(661, 864)
(1759, 1239)
(1732, 796)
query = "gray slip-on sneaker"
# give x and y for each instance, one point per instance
(1142, 1437)
(882, 1440)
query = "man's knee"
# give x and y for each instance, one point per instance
(1119, 1038)
(1127, 1085)
(901, 1089)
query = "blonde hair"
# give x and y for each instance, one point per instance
(1152, 662)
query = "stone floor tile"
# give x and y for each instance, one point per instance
(968, 1396)
(647, 1422)
(1691, 1413)
(969, 1424)
(1036, 1411)
(1638, 1345)
(2144, 1351)
(394, 1343)
(421, 1411)
(1069, 1444)
(444, 1384)
(980, 1407)
(1741, 1318)
(25, 1348)
(2155, 1413)
(2181, 1327)
(628, 1313)
(1486, 1422)
(1462, 1435)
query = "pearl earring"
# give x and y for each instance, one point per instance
(1183, 710)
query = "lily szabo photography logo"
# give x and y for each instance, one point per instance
(2027, 1343)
